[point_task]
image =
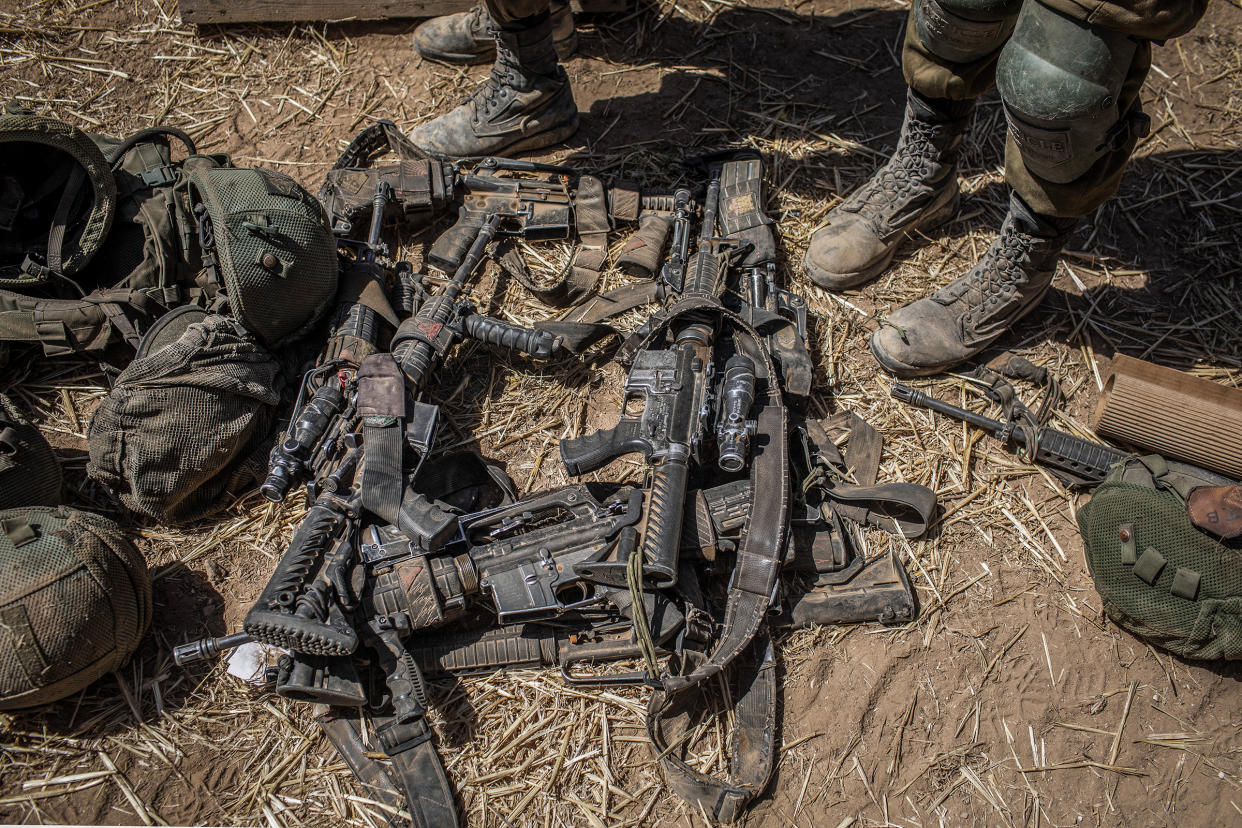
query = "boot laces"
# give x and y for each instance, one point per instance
(905, 174)
(992, 285)
(493, 94)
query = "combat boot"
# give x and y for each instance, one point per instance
(466, 37)
(916, 189)
(526, 103)
(968, 314)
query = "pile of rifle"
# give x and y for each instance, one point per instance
(747, 517)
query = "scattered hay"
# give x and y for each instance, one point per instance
(154, 743)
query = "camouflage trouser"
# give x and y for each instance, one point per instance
(507, 12)
(1144, 20)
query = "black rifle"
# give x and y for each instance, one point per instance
(674, 388)
(1074, 461)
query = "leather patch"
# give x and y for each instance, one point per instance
(381, 387)
(1217, 509)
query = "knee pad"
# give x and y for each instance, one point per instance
(963, 31)
(1059, 79)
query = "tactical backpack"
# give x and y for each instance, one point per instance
(1161, 574)
(187, 422)
(75, 599)
(30, 474)
(99, 237)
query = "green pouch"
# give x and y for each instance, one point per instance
(182, 427)
(1159, 576)
(75, 599)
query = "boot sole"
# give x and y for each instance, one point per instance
(844, 281)
(456, 58)
(539, 140)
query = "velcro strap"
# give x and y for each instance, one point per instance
(19, 531)
(1149, 565)
(625, 201)
(1186, 583)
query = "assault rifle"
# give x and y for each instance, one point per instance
(1074, 461)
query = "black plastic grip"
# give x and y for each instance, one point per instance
(422, 519)
(447, 251)
(665, 513)
(589, 452)
(502, 334)
(1076, 457)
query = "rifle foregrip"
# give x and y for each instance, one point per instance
(641, 256)
(1077, 457)
(412, 345)
(539, 344)
(447, 251)
(589, 452)
(665, 513)
(703, 274)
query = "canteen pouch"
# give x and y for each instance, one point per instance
(187, 423)
(75, 599)
(1159, 576)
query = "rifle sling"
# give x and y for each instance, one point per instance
(752, 756)
(750, 595)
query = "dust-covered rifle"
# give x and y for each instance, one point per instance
(1075, 461)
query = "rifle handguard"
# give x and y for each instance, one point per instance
(662, 533)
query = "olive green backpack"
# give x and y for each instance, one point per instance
(75, 599)
(99, 237)
(1160, 575)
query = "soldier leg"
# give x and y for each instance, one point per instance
(1070, 91)
(526, 103)
(949, 59)
(466, 37)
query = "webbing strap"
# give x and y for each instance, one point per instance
(60, 222)
(381, 405)
(752, 755)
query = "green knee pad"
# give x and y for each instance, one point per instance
(963, 31)
(1059, 79)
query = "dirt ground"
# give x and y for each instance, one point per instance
(1010, 701)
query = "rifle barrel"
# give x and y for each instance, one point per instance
(914, 397)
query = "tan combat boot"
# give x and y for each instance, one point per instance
(526, 103)
(967, 315)
(916, 189)
(466, 37)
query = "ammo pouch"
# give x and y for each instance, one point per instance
(186, 423)
(75, 599)
(29, 471)
(1161, 577)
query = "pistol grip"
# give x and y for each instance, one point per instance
(422, 519)
(447, 251)
(589, 452)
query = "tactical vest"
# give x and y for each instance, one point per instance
(99, 237)
(1160, 575)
